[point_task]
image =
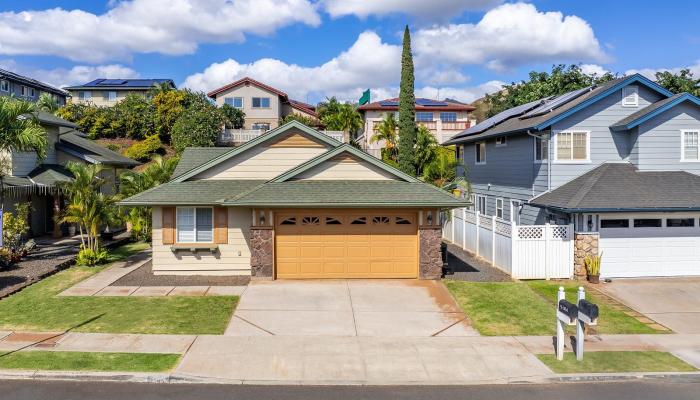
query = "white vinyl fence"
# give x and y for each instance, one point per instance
(523, 251)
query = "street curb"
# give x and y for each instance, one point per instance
(684, 377)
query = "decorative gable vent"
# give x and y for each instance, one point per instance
(630, 96)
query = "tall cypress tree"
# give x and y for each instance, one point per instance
(407, 109)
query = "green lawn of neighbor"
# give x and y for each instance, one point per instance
(527, 308)
(80, 361)
(616, 361)
(37, 308)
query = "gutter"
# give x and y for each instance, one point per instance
(619, 209)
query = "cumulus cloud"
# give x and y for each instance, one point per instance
(511, 35)
(172, 27)
(368, 62)
(463, 94)
(435, 9)
(651, 72)
(594, 69)
(60, 77)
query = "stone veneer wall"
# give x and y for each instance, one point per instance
(585, 244)
(430, 256)
(261, 258)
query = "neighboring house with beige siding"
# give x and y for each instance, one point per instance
(108, 92)
(263, 105)
(294, 203)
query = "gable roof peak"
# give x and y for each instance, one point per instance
(250, 81)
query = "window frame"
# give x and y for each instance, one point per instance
(515, 207)
(109, 95)
(503, 140)
(627, 223)
(254, 124)
(252, 103)
(233, 101)
(6, 84)
(479, 160)
(546, 143)
(684, 132)
(628, 91)
(432, 116)
(194, 232)
(501, 209)
(82, 95)
(557, 137)
(23, 89)
(477, 205)
(692, 225)
(448, 119)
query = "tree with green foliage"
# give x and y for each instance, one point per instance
(337, 116)
(133, 182)
(168, 106)
(407, 109)
(683, 81)
(560, 80)
(426, 149)
(306, 120)
(235, 117)
(47, 102)
(199, 126)
(158, 88)
(442, 171)
(388, 132)
(133, 117)
(20, 130)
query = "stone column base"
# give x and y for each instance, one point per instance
(262, 250)
(429, 240)
(585, 244)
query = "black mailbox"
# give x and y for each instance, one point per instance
(588, 309)
(568, 309)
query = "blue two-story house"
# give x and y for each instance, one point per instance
(620, 159)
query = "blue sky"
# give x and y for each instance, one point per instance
(318, 48)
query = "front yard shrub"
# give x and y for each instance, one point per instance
(89, 258)
(142, 151)
(14, 229)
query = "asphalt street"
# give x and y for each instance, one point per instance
(60, 390)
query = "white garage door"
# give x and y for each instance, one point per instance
(639, 247)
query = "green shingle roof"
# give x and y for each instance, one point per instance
(204, 192)
(84, 148)
(193, 157)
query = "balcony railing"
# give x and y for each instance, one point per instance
(434, 125)
(230, 137)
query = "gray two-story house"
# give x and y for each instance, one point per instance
(620, 159)
(25, 88)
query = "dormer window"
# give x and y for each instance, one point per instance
(630, 96)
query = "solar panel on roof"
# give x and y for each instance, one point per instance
(430, 103)
(112, 82)
(389, 103)
(556, 102)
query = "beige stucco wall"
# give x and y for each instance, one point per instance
(261, 163)
(98, 99)
(233, 258)
(345, 170)
(372, 117)
(270, 115)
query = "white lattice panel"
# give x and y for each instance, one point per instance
(503, 228)
(485, 222)
(470, 216)
(559, 232)
(530, 232)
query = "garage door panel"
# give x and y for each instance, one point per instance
(376, 249)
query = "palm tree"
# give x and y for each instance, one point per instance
(426, 149)
(388, 132)
(337, 116)
(19, 131)
(161, 87)
(47, 102)
(442, 171)
(87, 204)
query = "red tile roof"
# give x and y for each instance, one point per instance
(450, 105)
(303, 107)
(248, 81)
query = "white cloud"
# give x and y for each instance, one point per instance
(511, 35)
(367, 63)
(60, 77)
(463, 94)
(170, 27)
(651, 72)
(435, 9)
(448, 76)
(593, 69)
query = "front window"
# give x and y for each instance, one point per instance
(195, 224)
(541, 149)
(234, 101)
(261, 102)
(112, 96)
(422, 116)
(480, 148)
(5, 86)
(85, 95)
(690, 146)
(481, 204)
(572, 146)
(448, 116)
(499, 208)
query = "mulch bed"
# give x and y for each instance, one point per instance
(469, 267)
(143, 276)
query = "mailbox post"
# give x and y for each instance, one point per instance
(567, 314)
(580, 333)
(587, 315)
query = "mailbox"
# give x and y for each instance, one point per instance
(587, 312)
(567, 312)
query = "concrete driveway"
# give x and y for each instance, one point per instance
(673, 302)
(368, 308)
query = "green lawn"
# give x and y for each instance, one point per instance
(79, 361)
(519, 308)
(616, 361)
(37, 308)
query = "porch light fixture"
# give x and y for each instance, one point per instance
(430, 217)
(262, 218)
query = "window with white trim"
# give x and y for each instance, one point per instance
(195, 224)
(499, 208)
(630, 96)
(260, 126)
(85, 95)
(481, 204)
(541, 149)
(4, 85)
(236, 102)
(23, 90)
(112, 96)
(689, 141)
(261, 102)
(501, 141)
(480, 156)
(572, 146)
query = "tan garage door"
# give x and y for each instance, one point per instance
(346, 244)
